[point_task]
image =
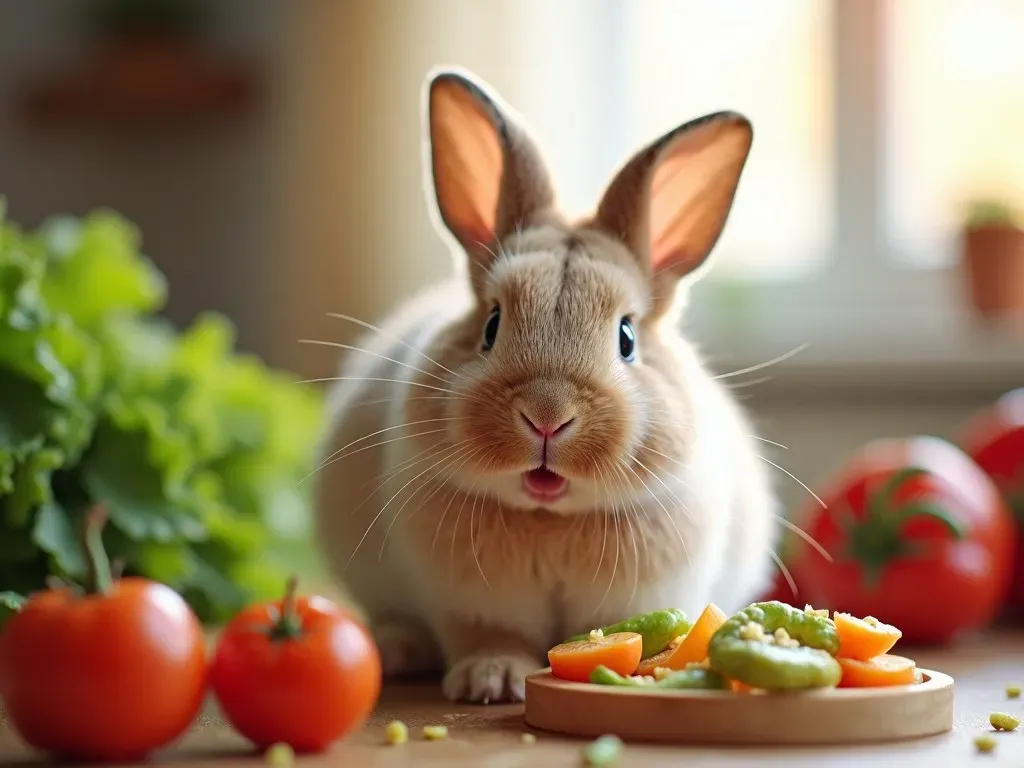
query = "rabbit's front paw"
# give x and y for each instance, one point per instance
(488, 679)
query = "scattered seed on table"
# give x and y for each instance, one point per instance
(280, 755)
(397, 732)
(528, 738)
(1003, 722)
(984, 743)
(605, 751)
(1013, 691)
(435, 732)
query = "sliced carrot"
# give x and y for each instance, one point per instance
(877, 672)
(864, 639)
(647, 666)
(576, 659)
(693, 648)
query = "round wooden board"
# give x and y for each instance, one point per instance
(832, 716)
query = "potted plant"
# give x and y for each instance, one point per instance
(992, 255)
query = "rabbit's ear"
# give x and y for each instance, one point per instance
(487, 176)
(669, 203)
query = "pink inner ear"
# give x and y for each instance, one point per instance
(468, 164)
(692, 188)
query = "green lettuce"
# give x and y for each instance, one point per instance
(197, 451)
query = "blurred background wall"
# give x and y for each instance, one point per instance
(270, 154)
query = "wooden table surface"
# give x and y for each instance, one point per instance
(492, 736)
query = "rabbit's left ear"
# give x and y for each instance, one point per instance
(669, 203)
(487, 175)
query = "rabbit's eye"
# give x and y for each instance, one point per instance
(627, 339)
(491, 328)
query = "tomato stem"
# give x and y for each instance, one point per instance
(99, 580)
(288, 624)
(876, 539)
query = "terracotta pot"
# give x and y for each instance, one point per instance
(993, 261)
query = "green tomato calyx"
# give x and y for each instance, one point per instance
(288, 625)
(99, 578)
(876, 540)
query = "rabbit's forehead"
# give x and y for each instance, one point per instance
(572, 285)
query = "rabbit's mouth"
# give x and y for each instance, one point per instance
(544, 485)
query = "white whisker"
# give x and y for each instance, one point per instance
(387, 335)
(373, 445)
(806, 537)
(785, 572)
(338, 345)
(770, 442)
(797, 479)
(381, 512)
(759, 366)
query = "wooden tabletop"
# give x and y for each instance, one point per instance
(492, 736)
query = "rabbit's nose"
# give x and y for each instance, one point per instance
(546, 408)
(545, 429)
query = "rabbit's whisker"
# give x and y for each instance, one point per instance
(358, 440)
(394, 338)
(386, 505)
(368, 447)
(338, 345)
(767, 363)
(632, 536)
(364, 403)
(785, 572)
(618, 546)
(604, 535)
(472, 537)
(455, 530)
(750, 382)
(806, 537)
(434, 451)
(668, 515)
(797, 479)
(455, 493)
(447, 461)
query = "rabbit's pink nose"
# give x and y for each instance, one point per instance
(545, 429)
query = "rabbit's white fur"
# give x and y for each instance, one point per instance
(421, 507)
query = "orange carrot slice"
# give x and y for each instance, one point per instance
(576, 659)
(864, 639)
(694, 647)
(647, 666)
(880, 671)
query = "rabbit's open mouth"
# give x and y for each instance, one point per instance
(544, 485)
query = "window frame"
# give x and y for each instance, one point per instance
(864, 304)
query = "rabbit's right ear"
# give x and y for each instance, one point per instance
(487, 176)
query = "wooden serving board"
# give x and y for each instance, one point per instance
(830, 716)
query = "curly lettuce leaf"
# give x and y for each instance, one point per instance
(197, 451)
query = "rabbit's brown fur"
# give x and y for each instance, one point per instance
(421, 506)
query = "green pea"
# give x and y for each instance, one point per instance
(604, 751)
(694, 678)
(772, 666)
(657, 629)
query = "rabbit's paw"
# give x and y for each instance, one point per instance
(489, 679)
(407, 649)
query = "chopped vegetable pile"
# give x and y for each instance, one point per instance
(196, 451)
(768, 646)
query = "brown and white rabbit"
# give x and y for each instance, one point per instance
(532, 449)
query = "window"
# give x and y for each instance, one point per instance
(771, 61)
(875, 121)
(954, 117)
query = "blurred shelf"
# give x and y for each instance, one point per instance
(143, 82)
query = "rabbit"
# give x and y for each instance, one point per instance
(531, 448)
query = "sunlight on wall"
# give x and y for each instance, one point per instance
(956, 119)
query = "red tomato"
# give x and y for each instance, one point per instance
(103, 677)
(920, 538)
(995, 440)
(299, 671)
